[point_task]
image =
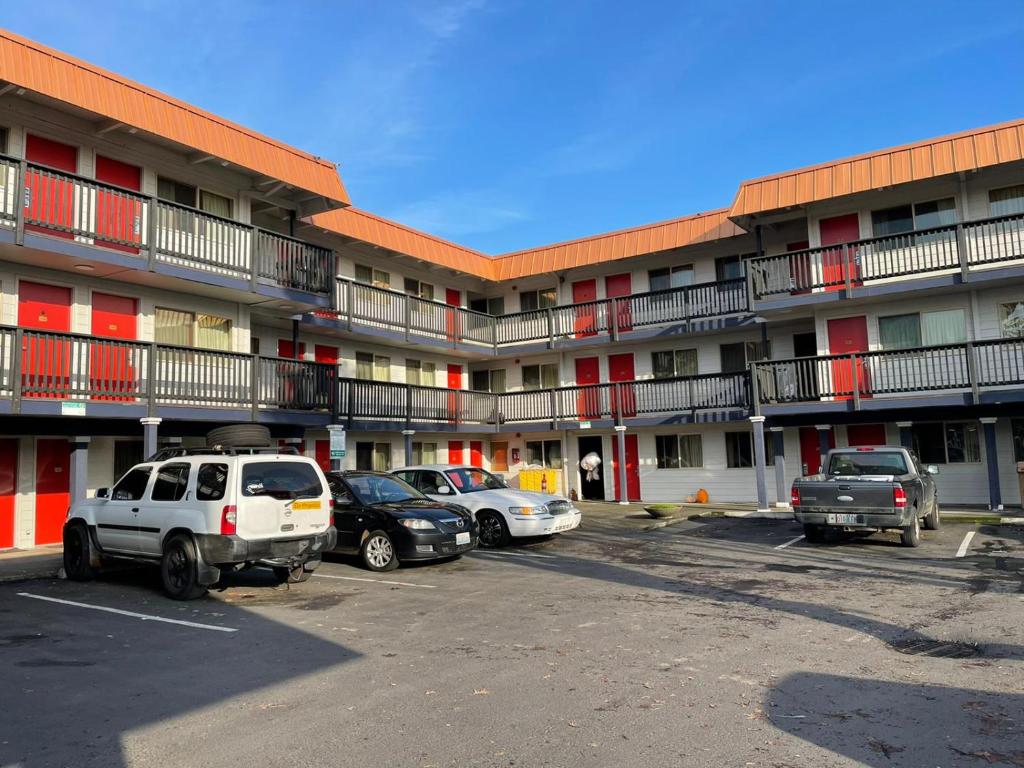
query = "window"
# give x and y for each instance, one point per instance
(371, 276)
(947, 326)
(254, 345)
(539, 299)
(489, 381)
(739, 450)
(899, 331)
(382, 457)
(211, 481)
(416, 288)
(1008, 201)
(424, 453)
(679, 451)
(370, 367)
(1011, 320)
(176, 192)
(947, 443)
(127, 453)
(546, 453)
(190, 329)
(171, 482)
(728, 268)
(492, 306)
(736, 357)
(283, 480)
(418, 372)
(430, 482)
(541, 376)
(674, 362)
(906, 218)
(670, 277)
(218, 205)
(132, 486)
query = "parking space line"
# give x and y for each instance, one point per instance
(376, 581)
(965, 543)
(132, 614)
(791, 541)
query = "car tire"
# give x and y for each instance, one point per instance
(78, 552)
(378, 553)
(910, 535)
(179, 571)
(296, 575)
(932, 520)
(239, 436)
(493, 530)
(813, 533)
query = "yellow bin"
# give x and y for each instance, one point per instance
(540, 480)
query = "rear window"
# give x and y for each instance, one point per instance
(211, 481)
(867, 463)
(280, 479)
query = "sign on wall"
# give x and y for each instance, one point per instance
(337, 443)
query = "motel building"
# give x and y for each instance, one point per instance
(164, 271)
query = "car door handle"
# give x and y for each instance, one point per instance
(135, 510)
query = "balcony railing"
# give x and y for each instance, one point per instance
(970, 245)
(358, 304)
(91, 212)
(969, 368)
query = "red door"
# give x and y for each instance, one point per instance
(322, 452)
(46, 358)
(620, 368)
(585, 323)
(111, 370)
(632, 468)
(49, 200)
(8, 490)
(454, 383)
(476, 453)
(619, 288)
(846, 336)
(454, 451)
(865, 434)
(588, 401)
(839, 229)
(286, 349)
(810, 449)
(325, 353)
(53, 488)
(119, 215)
(453, 298)
(800, 274)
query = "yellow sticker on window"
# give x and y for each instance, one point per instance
(300, 505)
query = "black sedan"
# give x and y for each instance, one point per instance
(385, 520)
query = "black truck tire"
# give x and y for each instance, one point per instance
(239, 436)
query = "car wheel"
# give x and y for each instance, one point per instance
(813, 533)
(910, 535)
(931, 520)
(493, 530)
(78, 552)
(179, 573)
(296, 575)
(378, 552)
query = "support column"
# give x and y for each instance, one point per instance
(407, 434)
(779, 449)
(759, 463)
(150, 426)
(906, 436)
(79, 468)
(995, 497)
(823, 444)
(620, 437)
(337, 435)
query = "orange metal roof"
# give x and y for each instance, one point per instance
(54, 74)
(964, 151)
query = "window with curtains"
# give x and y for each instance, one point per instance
(420, 289)
(1008, 201)
(418, 372)
(192, 329)
(947, 442)
(218, 205)
(539, 299)
(489, 381)
(670, 277)
(424, 453)
(190, 195)
(382, 457)
(728, 268)
(947, 326)
(679, 451)
(1011, 320)
(735, 358)
(542, 376)
(370, 276)
(545, 453)
(370, 367)
(739, 450)
(492, 306)
(674, 362)
(906, 218)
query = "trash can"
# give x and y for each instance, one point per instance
(540, 480)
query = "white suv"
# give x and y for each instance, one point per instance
(200, 511)
(503, 512)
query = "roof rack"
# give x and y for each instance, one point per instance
(174, 453)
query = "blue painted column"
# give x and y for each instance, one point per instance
(79, 468)
(759, 463)
(779, 449)
(906, 436)
(995, 499)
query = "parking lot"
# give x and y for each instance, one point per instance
(709, 642)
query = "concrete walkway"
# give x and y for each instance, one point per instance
(38, 563)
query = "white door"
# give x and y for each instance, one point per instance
(117, 520)
(167, 495)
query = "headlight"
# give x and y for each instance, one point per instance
(417, 524)
(541, 510)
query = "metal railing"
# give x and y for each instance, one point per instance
(956, 247)
(37, 198)
(968, 367)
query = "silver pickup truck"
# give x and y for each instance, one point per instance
(868, 488)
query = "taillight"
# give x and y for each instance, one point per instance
(228, 520)
(899, 497)
(794, 497)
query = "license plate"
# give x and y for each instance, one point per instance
(298, 506)
(461, 538)
(841, 519)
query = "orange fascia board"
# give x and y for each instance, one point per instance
(56, 75)
(966, 151)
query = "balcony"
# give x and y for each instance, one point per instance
(959, 253)
(94, 220)
(369, 309)
(980, 372)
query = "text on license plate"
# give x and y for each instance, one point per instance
(298, 506)
(461, 538)
(841, 519)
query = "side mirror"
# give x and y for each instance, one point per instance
(444, 490)
(102, 493)
(932, 469)
(342, 501)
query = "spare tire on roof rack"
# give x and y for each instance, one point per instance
(239, 436)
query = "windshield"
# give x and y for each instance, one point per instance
(469, 480)
(381, 489)
(280, 479)
(867, 463)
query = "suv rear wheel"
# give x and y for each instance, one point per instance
(78, 552)
(179, 573)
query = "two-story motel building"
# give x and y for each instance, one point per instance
(164, 271)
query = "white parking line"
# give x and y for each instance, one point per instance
(965, 543)
(375, 581)
(791, 541)
(143, 616)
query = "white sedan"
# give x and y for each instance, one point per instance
(503, 512)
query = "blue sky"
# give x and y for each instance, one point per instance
(504, 125)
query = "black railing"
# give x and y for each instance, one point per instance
(956, 247)
(92, 212)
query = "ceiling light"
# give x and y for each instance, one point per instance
(85, 267)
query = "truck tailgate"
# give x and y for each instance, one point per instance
(861, 495)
